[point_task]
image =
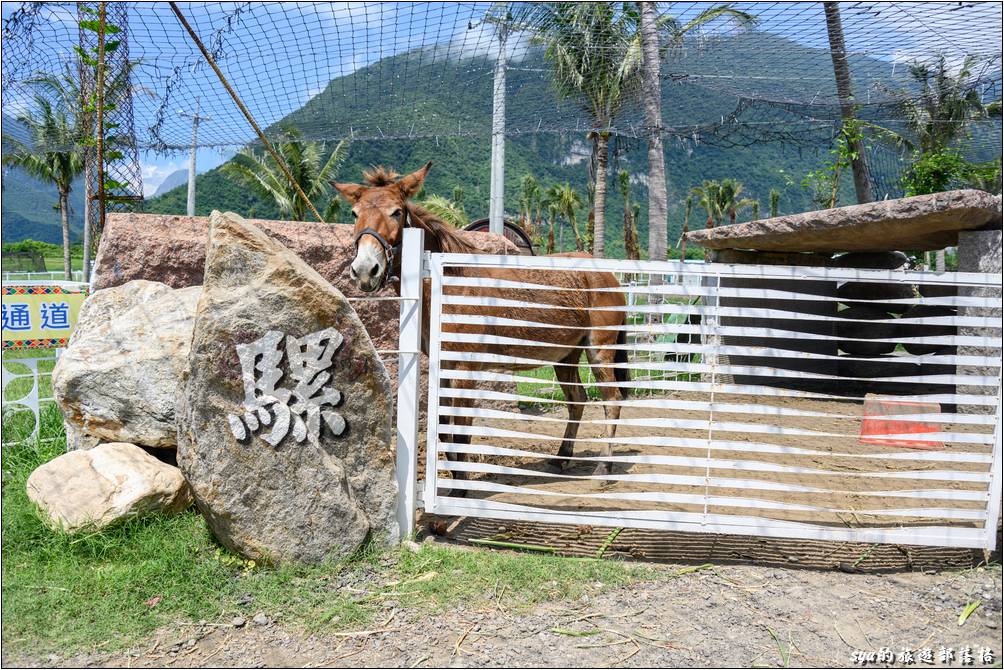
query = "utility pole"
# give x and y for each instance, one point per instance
(496, 202)
(196, 118)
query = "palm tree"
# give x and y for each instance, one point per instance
(708, 196)
(458, 198)
(549, 201)
(259, 172)
(657, 34)
(729, 201)
(567, 200)
(756, 211)
(595, 50)
(630, 220)
(596, 59)
(688, 207)
(54, 156)
(945, 106)
(64, 89)
(529, 195)
(775, 197)
(448, 211)
(842, 75)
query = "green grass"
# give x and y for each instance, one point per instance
(69, 593)
(55, 263)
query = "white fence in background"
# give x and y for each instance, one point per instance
(26, 388)
(763, 400)
(54, 275)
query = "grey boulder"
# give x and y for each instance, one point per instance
(284, 419)
(118, 378)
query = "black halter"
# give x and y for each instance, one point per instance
(390, 251)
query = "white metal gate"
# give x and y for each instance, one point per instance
(853, 405)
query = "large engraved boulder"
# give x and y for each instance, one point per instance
(284, 419)
(117, 379)
(90, 489)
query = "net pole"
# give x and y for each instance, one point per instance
(244, 110)
(496, 207)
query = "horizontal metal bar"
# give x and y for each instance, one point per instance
(714, 463)
(712, 269)
(702, 481)
(720, 501)
(712, 523)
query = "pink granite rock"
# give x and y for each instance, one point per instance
(172, 249)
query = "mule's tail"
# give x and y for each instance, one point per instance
(621, 356)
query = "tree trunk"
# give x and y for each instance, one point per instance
(600, 201)
(657, 196)
(836, 188)
(628, 241)
(579, 246)
(732, 216)
(550, 236)
(683, 240)
(87, 233)
(842, 73)
(64, 216)
(709, 224)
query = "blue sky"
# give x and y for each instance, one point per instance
(279, 55)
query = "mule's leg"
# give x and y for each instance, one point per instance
(599, 359)
(567, 373)
(457, 438)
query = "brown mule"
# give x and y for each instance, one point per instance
(382, 209)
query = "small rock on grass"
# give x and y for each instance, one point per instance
(81, 490)
(239, 622)
(260, 619)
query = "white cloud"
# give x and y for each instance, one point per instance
(154, 175)
(482, 40)
(352, 12)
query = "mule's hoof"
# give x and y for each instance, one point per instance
(554, 466)
(602, 470)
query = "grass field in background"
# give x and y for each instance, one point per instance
(55, 263)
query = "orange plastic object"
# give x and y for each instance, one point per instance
(877, 423)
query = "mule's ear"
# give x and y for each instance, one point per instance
(410, 184)
(351, 192)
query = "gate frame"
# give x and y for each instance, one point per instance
(414, 263)
(973, 538)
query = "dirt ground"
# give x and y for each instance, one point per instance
(729, 615)
(822, 463)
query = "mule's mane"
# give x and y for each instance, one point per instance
(380, 176)
(450, 240)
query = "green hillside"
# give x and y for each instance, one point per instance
(29, 209)
(456, 99)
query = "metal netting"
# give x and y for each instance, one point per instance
(424, 70)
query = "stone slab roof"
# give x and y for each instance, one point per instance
(919, 223)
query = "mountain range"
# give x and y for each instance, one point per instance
(454, 99)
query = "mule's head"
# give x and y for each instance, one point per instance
(380, 211)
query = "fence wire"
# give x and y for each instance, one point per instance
(425, 70)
